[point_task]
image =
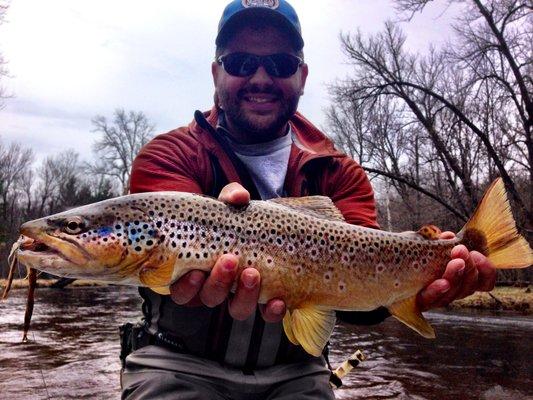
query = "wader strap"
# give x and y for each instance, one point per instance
(245, 177)
(221, 322)
(255, 343)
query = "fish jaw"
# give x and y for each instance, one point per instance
(58, 250)
(46, 248)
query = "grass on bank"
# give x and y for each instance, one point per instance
(501, 298)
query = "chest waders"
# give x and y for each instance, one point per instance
(213, 327)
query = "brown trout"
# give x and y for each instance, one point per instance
(305, 252)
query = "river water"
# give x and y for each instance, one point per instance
(73, 351)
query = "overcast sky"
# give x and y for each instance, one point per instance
(70, 60)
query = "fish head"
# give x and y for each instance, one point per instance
(106, 241)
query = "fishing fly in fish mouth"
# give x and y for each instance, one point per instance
(83, 244)
(306, 254)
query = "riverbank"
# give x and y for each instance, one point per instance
(501, 298)
(23, 283)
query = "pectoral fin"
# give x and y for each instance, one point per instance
(310, 327)
(163, 290)
(407, 312)
(157, 275)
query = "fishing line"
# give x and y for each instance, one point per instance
(42, 374)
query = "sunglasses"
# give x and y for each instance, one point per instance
(280, 65)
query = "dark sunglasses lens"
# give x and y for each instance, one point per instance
(276, 65)
(240, 64)
(281, 65)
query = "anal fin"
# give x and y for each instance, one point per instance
(310, 327)
(407, 311)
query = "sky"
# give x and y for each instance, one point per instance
(70, 60)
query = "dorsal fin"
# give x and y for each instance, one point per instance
(316, 206)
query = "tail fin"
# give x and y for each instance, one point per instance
(492, 231)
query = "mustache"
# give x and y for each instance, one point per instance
(255, 89)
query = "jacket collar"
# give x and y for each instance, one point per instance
(311, 142)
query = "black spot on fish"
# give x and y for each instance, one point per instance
(138, 248)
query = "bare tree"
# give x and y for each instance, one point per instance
(62, 183)
(496, 47)
(14, 162)
(464, 124)
(120, 142)
(3, 69)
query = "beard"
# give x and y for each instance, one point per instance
(257, 127)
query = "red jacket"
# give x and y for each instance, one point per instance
(180, 160)
(192, 159)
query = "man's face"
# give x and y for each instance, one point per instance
(258, 107)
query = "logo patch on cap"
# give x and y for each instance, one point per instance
(273, 4)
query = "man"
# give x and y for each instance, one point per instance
(202, 342)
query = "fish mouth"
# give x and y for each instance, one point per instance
(39, 247)
(34, 247)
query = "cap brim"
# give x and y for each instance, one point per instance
(242, 17)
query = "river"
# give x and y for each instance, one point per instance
(73, 351)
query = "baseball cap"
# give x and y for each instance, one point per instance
(280, 12)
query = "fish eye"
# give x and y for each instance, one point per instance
(74, 226)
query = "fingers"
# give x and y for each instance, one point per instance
(460, 251)
(465, 273)
(274, 310)
(447, 235)
(487, 272)
(442, 291)
(244, 303)
(432, 296)
(187, 287)
(218, 284)
(234, 194)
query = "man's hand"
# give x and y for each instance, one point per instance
(196, 287)
(465, 273)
